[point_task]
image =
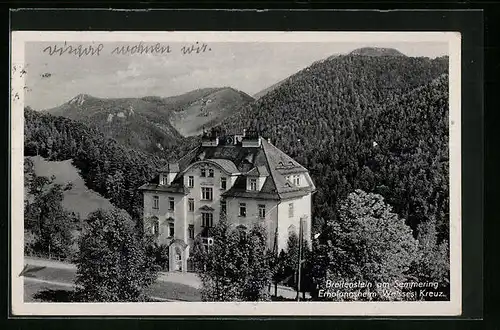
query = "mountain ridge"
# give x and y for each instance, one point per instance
(153, 123)
(376, 51)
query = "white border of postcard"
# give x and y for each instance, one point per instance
(428, 308)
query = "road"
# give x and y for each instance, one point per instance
(170, 286)
(53, 275)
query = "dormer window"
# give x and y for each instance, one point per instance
(223, 183)
(164, 180)
(296, 180)
(203, 172)
(210, 173)
(191, 181)
(253, 184)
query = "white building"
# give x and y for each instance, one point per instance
(243, 176)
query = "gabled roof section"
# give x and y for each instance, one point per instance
(226, 164)
(242, 158)
(264, 160)
(238, 189)
(170, 168)
(278, 160)
(177, 186)
(258, 171)
(279, 164)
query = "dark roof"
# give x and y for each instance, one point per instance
(266, 160)
(226, 164)
(258, 171)
(239, 189)
(177, 186)
(171, 168)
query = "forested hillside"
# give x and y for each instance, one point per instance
(153, 124)
(107, 167)
(377, 123)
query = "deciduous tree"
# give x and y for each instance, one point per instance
(368, 243)
(112, 265)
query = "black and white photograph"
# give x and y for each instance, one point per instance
(267, 173)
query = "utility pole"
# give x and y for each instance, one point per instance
(299, 263)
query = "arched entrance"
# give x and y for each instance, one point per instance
(179, 253)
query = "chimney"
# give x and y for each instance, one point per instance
(210, 139)
(251, 140)
(269, 140)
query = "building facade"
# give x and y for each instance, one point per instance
(243, 177)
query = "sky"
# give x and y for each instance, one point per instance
(249, 67)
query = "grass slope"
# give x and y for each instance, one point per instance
(208, 111)
(79, 199)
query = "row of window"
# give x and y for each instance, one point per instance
(223, 182)
(171, 229)
(207, 194)
(203, 173)
(207, 218)
(156, 203)
(243, 210)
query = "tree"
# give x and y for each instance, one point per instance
(368, 243)
(218, 265)
(277, 264)
(433, 261)
(257, 270)
(47, 224)
(112, 264)
(236, 267)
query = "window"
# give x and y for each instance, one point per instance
(203, 172)
(191, 231)
(262, 211)
(207, 241)
(207, 193)
(191, 205)
(171, 203)
(223, 207)
(191, 181)
(296, 180)
(210, 173)
(253, 184)
(290, 210)
(156, 226)
(223, 183)
(170, 229)
(156, 202)
(163, 180)
(207, 219)
(243, 210)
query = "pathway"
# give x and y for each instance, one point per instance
(188, 279)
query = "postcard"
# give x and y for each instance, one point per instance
(235, 173)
